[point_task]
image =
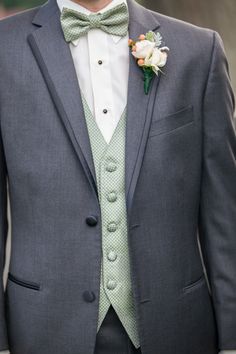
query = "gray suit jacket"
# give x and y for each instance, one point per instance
(180, 184)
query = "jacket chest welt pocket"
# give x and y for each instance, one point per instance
(172, 122)
(24, 283)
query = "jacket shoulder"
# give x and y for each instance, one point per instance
(184, 31)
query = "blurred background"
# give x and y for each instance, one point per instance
(219, 15)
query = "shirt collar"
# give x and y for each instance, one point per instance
(74, 6)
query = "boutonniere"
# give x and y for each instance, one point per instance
(150, 55)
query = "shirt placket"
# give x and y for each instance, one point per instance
(101, 81)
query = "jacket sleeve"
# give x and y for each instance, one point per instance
(3, 238)
(217, 217)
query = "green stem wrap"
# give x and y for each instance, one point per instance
(148, 76)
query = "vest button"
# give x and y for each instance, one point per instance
(111, 284)
(112, 197)
(89, 296)
(112, 226)
(112, 256)
(111, 167)
(91, 220)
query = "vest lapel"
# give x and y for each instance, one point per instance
(54, 58)
(139, 106)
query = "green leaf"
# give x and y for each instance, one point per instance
(150, 36)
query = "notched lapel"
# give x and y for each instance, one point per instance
(139, 105)
(54, 58)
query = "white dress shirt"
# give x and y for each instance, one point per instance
(104, 85)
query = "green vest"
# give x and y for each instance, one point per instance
(109, 162)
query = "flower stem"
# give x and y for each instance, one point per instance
(148, 76)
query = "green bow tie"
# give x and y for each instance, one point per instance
(76, 24)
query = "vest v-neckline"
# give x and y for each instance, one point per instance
(97, 127)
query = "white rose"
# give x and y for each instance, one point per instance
(157, 60)
(143, 49)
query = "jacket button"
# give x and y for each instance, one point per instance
(89, 296)
(91, 220)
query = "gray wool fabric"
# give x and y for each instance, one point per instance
(180, 174)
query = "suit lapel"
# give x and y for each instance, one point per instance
(139, 105)
(54, 58)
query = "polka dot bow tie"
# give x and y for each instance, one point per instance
(76, 24)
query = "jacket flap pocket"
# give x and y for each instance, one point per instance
(172, 121)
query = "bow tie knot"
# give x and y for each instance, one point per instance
(95, 20)
(113, 21)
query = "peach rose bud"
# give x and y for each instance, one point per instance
(141, 62)
(142, 37)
